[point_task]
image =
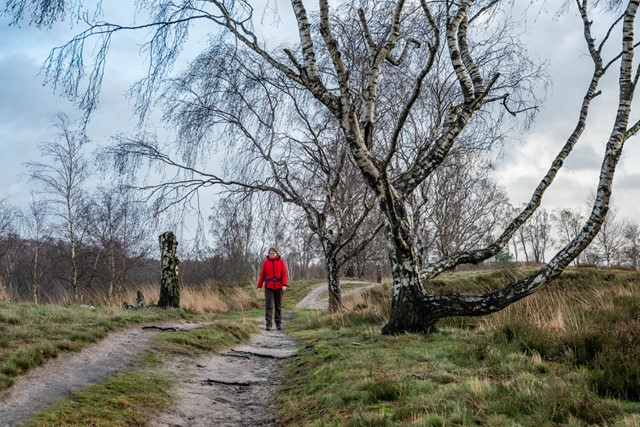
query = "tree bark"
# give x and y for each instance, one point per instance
(169, 285)
(333, 279)
(408, 312)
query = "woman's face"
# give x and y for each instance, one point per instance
(273, 254)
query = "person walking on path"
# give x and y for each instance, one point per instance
(274, 278)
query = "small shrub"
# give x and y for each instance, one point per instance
(433, 421)
(370, 420)
(532, 339)
(408, 412)
(616, 367)
(585, 346)
(384, 389)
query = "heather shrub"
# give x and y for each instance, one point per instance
(616, 367)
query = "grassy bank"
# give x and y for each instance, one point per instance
(30, 334)
(567, 355)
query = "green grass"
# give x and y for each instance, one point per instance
(566, 355)
(31, 334)
(126, 399)
(517, 367)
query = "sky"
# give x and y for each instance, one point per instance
(27, 107)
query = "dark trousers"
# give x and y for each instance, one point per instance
(273, 298)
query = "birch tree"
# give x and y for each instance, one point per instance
(8, 235)
(609, 241)
(118, 230)
(538, 235)
(278, 142)
(467, 47)
(37, 232)
(457, 207)
(631, 246)
(62, 179)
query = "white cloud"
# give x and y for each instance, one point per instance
(26, 107)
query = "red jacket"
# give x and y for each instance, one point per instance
(273, 273)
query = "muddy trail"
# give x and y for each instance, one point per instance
(234, 387)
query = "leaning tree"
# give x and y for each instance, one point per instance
(412, 47)
(279, 141)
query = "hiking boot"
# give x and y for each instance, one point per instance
(279, 327)
(268, 328)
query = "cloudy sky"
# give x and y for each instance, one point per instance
(27, 107)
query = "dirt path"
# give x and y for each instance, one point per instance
(317, 299)
(233, 388)
(62, 376)
(237, 388)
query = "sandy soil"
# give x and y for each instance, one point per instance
(236, 387)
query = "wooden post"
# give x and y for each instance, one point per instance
(169, 286)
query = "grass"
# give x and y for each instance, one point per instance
(126, 399)
(521, 366)
(31, 334)
(566, 355)
(210, 298)
(130, 398)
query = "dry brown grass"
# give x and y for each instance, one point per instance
(207, 299)
(372, 306)
(3, 292)
(559, 311)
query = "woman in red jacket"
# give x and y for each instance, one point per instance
(274, 277)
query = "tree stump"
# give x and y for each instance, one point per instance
(169, 285)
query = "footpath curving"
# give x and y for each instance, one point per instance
(233, 388)
(318, 298)
(70, 372)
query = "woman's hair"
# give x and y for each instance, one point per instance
(273, 250)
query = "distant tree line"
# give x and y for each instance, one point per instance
(71, 244)
(77, 243)
(616, 245)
